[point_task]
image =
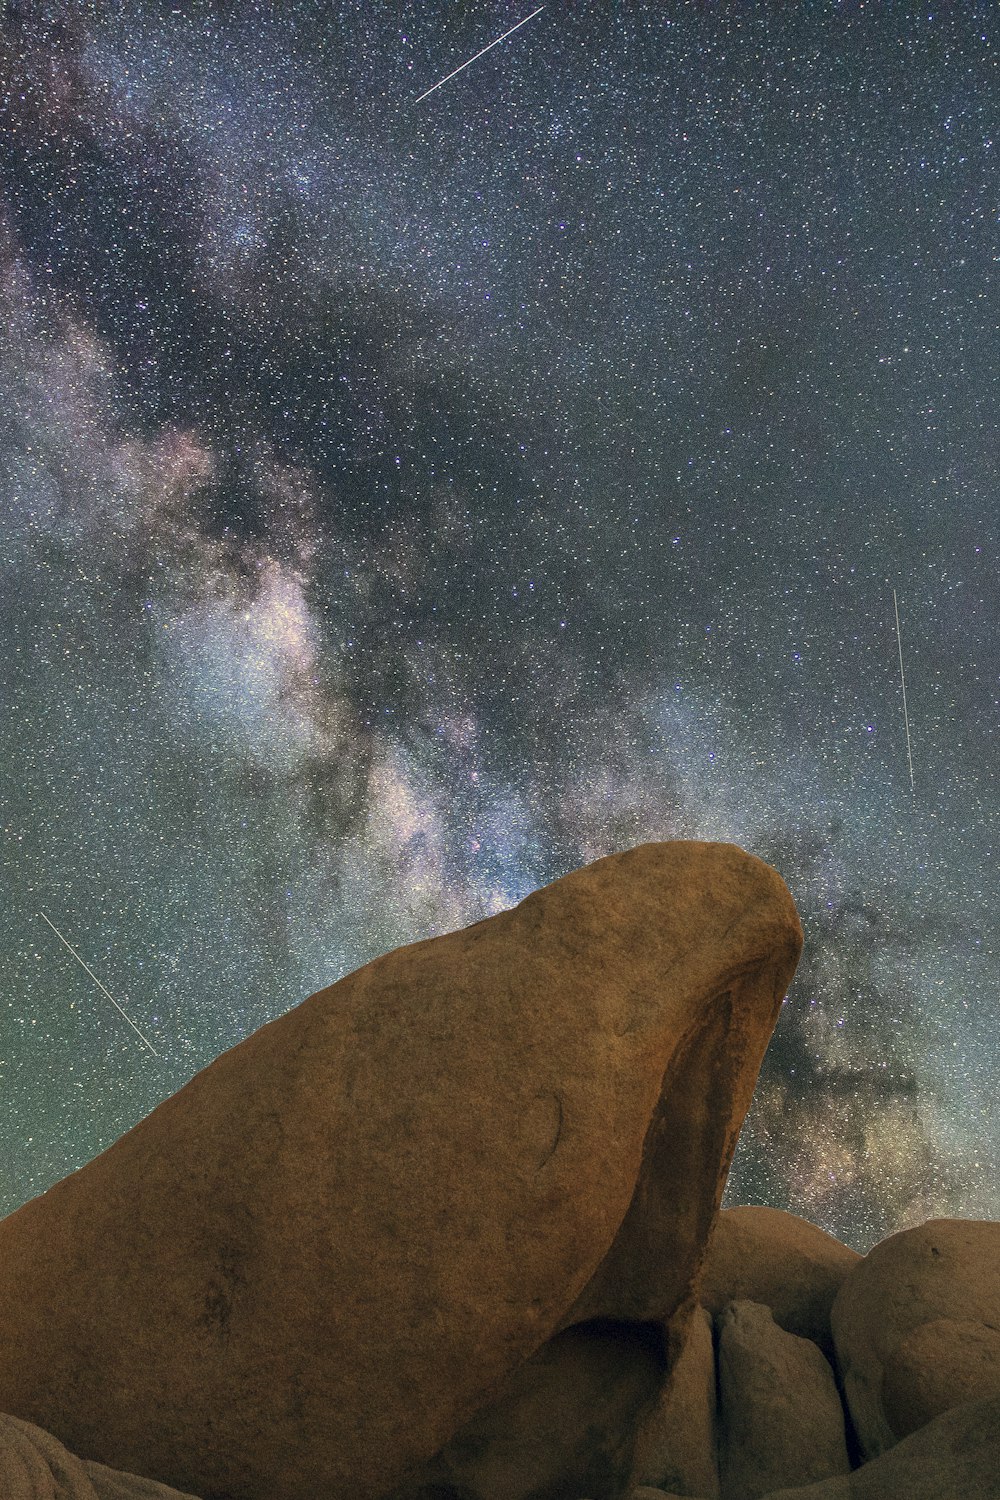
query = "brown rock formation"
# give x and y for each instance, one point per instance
(955, 1457)
(945, 1271)
(675, 1445)
(775, 1258)
(302, 1273)
(780, 1417)
(939, 1365)
(564, 1423)
(35, 1466)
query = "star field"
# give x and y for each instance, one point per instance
(402, 504)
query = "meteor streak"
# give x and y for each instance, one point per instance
(100, 986)
(479, 54)
(906, 717)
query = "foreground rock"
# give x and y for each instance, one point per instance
(775, 1258)
(916, 1327)
(939, 1365)
(303, 1273)
(564, 1424)
(676, 1442)
(780, 1417)
(35, 1466)
(955, 1457)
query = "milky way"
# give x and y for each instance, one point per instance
(403, 503)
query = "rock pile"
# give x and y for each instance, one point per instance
(907, 1404)
(448, 1231)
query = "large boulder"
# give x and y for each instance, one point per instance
(676, 1440)
(915, 1325)
(34, 1465)
(305, 1271)
(780, 1417)
(766, 1255)
(955, 1457)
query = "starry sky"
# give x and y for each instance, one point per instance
(406, 501)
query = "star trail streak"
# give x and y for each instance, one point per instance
(479, 54)
(104, 990)
(902, 683)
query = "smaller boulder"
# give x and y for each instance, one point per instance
(791, 1266)
(675, 1445)
(955, 1457)
(780, 1417)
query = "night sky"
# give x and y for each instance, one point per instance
(404, 503)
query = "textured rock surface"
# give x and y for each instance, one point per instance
(306, 1270)
(675, 1446)
(768, 1256)
(35, 1466)
(947, 1269)
(565, 1424)
(115, 1484)
(939, 1365)
(955, 1457)
(780, 1417)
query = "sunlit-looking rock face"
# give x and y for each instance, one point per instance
(304, 1272)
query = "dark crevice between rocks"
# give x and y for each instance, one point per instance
(564, 1425)
(854, 1454)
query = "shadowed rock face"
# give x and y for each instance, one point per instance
(677, 1439)
(305, 1271)
(564, 1425)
